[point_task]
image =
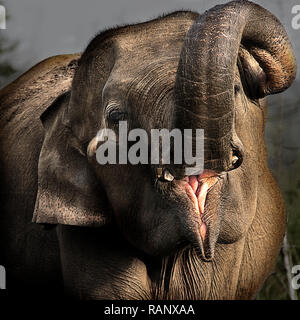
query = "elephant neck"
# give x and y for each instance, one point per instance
(186, 276)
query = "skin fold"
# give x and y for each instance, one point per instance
(144, 231)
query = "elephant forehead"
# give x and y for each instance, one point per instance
(164, 34)
(146, 64)
(143, 83)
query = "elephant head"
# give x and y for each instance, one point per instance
(185, 71)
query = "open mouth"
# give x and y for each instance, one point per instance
(199, 212)
(196, 188)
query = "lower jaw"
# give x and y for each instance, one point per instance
(196, 219)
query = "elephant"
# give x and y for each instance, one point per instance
(73, 227)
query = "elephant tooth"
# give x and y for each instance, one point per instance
(168, 176)
(159, 173)
(234, 159)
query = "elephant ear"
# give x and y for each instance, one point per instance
(68, 193)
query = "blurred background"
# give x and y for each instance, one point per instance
(37, 29)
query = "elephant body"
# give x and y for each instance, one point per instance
(119, 231)
(30, 255)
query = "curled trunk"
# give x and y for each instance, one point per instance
(204, 89)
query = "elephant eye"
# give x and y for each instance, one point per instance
(114, 116)
(237, 89)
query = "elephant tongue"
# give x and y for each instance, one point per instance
(197, 189)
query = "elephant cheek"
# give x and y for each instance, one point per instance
(240, 203)
(151, 225)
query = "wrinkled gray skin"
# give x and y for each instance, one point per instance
(121, 232)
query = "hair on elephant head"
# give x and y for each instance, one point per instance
(185, 71)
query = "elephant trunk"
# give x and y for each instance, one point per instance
(204, 88)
